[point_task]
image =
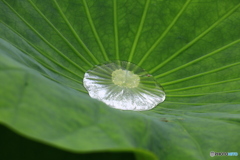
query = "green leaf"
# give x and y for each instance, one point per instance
(191, 47)
(38, 151)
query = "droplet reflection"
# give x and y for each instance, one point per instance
(124, 86)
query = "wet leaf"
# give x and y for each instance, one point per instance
(190, 47)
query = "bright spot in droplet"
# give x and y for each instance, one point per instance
(123, 85)
(125, 78)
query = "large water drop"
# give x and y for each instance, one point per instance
(124, 86)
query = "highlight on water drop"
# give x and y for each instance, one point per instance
(123, 85)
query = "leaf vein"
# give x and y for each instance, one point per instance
(199, 59)
(116, 29)
(164, 33)
(37, 49)
(134, 46)
(195, 39)
(53, 47)
(95, 31)
(203, 85)
(201, 74)
(64, 38)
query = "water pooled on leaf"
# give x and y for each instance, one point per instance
(124, 86)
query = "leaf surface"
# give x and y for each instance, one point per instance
(191, 47)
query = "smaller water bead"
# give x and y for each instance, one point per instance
(123, 85)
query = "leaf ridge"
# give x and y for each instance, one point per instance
(44, 64)
(193, 139)
(201, 94)
(164, 33)
(37, 49)
(195, 39)
(203, 85)
(199, 59)
(139, 31)
(63, 83)
(53, 47)
(64, 38)
(116, 28)
(200, 74)
(193, 104)
(95, 31)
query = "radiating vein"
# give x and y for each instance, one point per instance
(177, 121)
(164, 33)
(60, 34)
(191, 116)
(35, 31)
(57, 72)
(139, 31)
(195, 141)
(42, 53)
(203, 85)
(44, 64)
(193, 104)
(199, 59)
(201, 74)
(195, 40)
(95, 31)
(201, 94)
(116, 28)
(78, 38)
(83, 91)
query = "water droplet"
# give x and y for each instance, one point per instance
(124, 86)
